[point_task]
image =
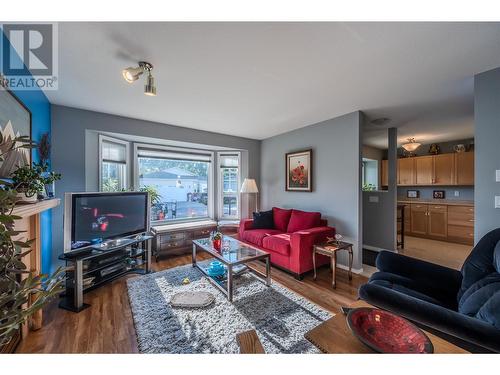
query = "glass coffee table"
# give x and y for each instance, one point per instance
(233, 254)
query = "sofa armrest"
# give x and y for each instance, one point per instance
(443, 278)
(245, 224)
(483, 336)
(301, 243)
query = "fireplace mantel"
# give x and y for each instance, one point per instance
(29, 223)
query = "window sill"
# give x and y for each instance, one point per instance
(183, 225)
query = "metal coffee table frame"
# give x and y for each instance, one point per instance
(229, 289)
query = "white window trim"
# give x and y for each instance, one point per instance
(103, 138)
(211, 187)
(220, 185)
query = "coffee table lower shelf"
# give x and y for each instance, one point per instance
(226, 286)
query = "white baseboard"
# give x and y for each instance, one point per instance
(378, 249)
(354, 270)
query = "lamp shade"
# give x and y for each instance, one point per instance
(249, 186)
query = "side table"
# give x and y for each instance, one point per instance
(330, 250)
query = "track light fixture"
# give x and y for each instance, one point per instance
(132, 74)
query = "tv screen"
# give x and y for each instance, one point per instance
(99, 217)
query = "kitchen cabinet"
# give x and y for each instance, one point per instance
(446, 222)
(464, 162)
(419, 219)
(453, 169)
(437, 221)
(406, 171)
(424, 171)
(444, 169)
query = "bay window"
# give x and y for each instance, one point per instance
(113, 164)
(179, 180)
(229, 185)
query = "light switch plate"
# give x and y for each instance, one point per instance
(497, 175)
(374, 199)
(497, 201)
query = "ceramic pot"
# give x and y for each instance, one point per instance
(21, 196)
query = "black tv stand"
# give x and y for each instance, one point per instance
(101, 264)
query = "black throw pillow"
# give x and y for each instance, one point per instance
(263, 220)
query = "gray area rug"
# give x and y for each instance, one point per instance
(280, 316)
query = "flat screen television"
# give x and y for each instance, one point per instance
(94, 218)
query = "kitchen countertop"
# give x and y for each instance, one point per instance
(444, 202)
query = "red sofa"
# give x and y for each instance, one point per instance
(291, 240)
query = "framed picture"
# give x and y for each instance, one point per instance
(412, 193)
(438, 194)
(299, 171)
(15, 121)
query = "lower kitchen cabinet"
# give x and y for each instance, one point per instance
(441, 222)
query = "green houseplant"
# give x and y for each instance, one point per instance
(153, 193)
(30, 182)
(16, 291)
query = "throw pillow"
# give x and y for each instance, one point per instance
(281, 218)
(302, 220)
(263, 220)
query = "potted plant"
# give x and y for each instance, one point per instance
(30, 182)
(14, 293)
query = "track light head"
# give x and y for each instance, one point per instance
(132, 74)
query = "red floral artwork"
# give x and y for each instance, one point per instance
(299, 175)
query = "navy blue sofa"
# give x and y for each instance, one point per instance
(461, 306)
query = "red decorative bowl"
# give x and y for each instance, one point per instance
(387, 333)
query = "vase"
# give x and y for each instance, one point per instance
(217, 244)
(50, 190)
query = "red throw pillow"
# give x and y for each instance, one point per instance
(281, 218)
(301, 220)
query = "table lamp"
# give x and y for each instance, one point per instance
(250, 187)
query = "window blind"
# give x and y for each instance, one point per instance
(172, 155)
(114, 152)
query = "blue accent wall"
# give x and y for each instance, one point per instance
(39, 105)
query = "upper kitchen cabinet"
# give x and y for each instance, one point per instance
(444, 169)
(464, 162)
(406, 171)
(424, 170)
(433, 170)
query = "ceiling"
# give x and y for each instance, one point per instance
(257, 80)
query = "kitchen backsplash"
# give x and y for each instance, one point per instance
(465, 193)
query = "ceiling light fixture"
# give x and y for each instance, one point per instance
(411, 145)
(132, 74)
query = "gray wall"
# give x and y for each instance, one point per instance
(336, 174)
(70, 153)
(375, 154)
(487, 157)
(379, 207)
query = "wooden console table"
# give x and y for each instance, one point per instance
(334, 337)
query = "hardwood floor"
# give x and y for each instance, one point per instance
(107, 325)
(447, 254)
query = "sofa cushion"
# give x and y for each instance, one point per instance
(406, 286)
(278, 243)
(263, 220)
(301, 220)
(281, 218)
(480, 262)
(490, 312)
(478, 294)
(255, 236)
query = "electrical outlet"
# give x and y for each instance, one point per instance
(373, 199)
(497, 201)
(457, 193)
(497, 175)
